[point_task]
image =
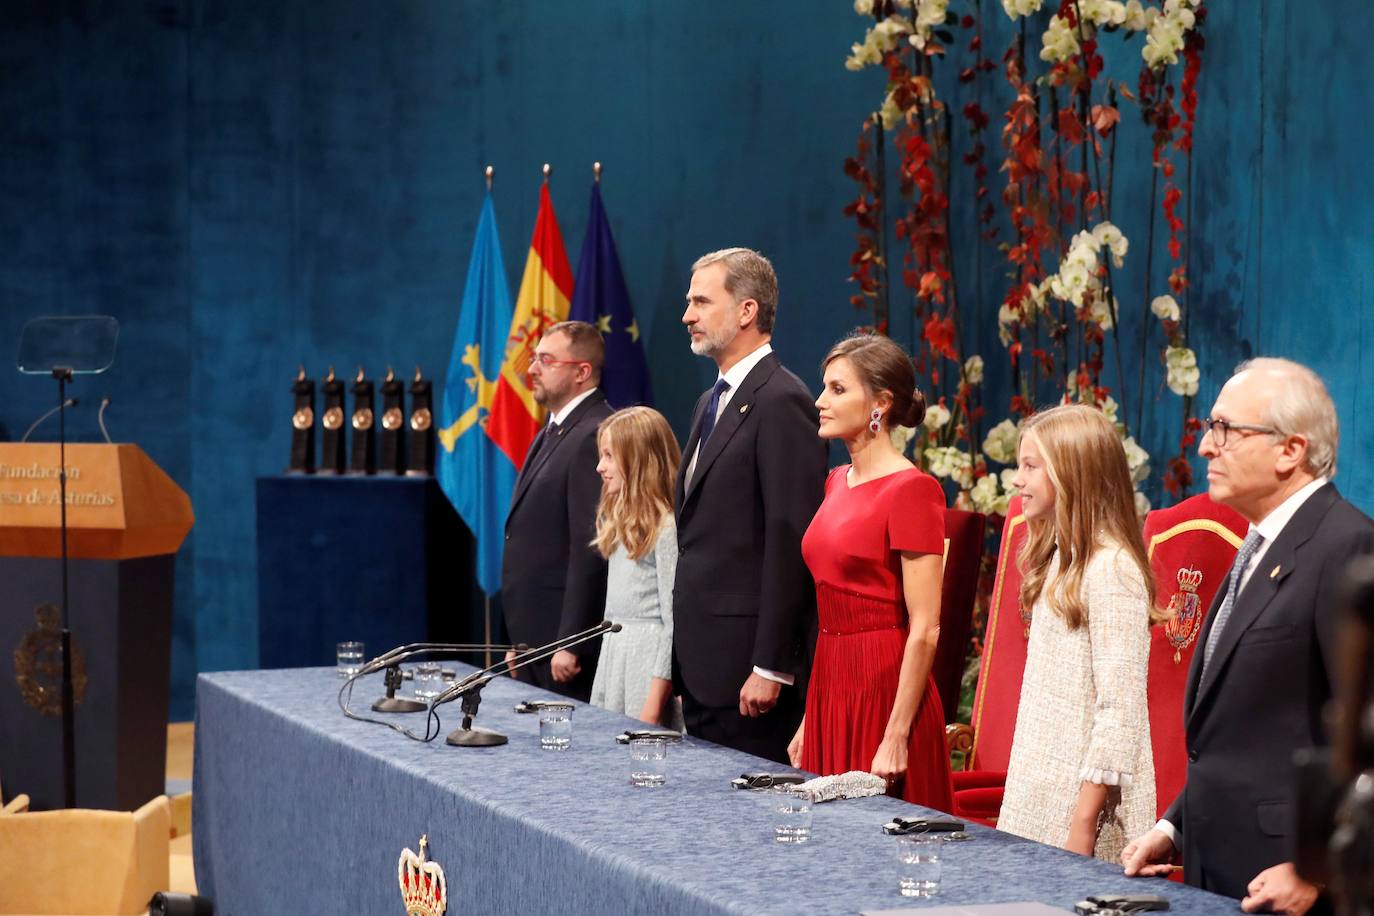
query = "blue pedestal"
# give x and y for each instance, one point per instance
(121, 622)
(381, 560)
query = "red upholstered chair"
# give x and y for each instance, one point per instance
(1191, 547)
(963, 555)
(986, 741)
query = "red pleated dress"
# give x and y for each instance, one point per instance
(853, 549)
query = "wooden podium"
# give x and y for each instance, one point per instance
(125, 521)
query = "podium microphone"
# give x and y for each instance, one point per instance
(100, 420)
(69, 402)
(469, 690)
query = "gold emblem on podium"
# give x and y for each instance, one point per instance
(303, 418)
(1185, 612)
(423, 887)
(421, 419)
(392, 419)
(38, 664)
(362, 419)
(333, 418)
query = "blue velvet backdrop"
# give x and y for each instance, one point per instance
(250, 185)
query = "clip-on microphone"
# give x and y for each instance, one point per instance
(469, 690)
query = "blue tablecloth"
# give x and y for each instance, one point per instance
(298, 809)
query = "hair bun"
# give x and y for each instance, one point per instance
(917, 412)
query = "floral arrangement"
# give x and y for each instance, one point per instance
(1058, 318)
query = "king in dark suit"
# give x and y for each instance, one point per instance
(1268, 650)
(752, 476)
(553, 583)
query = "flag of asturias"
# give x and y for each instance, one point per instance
(602, 299)
(545, 295)
(475, 475)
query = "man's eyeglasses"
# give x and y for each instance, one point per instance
(1221, 428)
(546, 361)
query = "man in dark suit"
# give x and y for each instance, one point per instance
(1268, 649)
(751, 478)
(553, 583)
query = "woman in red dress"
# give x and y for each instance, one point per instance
(875, 549)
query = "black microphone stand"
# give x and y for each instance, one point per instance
(63, 374)
(469, 690)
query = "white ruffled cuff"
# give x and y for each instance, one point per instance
(1105, 777)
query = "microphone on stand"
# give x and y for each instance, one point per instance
(469, 690)
(69, 402)
(391, 661)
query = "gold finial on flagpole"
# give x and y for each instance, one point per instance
(418, 376)
(491, 173)
(548, 170)
(300, 376)
(390, 376)
(596, 172)
(330, 377)
(361, 376)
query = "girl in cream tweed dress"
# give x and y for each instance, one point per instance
(1081, 774)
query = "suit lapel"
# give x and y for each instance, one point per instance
(693, 438)
(551, 443)
(1264, 585)
(735, 414)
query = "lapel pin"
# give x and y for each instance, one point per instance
(1274, 573)
(743, 408)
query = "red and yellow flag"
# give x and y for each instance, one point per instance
(544, 298)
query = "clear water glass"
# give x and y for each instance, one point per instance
(428, 680)
(555, 726)
(648, 762)
(918, 865)
(349, 656)
(791, 813)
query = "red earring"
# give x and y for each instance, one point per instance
(875, 420)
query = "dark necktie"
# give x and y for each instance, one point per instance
(1247, 550)
(550, 430)
(708, 422)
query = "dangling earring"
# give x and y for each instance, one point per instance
(875, 421)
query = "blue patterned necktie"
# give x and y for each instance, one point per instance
(1253, 540)
(708, 422)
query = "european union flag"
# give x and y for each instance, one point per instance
(600, 298)
(477, 476)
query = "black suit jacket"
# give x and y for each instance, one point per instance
(1272, 672)
(553, 583)
(743, 595)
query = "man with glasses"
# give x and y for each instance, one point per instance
(1267, 663)
(553, 583)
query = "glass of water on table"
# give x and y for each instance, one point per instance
(791, 806)
(918, 864)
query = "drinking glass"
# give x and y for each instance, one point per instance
(791, 813)
(349, 658)
(555, 726)
(428, 680)
(918, 865)
(648, 762)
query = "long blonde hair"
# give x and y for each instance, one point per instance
(646, 455)
(1086, 464)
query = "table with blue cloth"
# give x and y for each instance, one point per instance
(300, 809)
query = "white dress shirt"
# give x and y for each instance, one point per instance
(562, 413)
(1269, 528)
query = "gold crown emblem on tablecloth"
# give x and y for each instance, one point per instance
(422, 883)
